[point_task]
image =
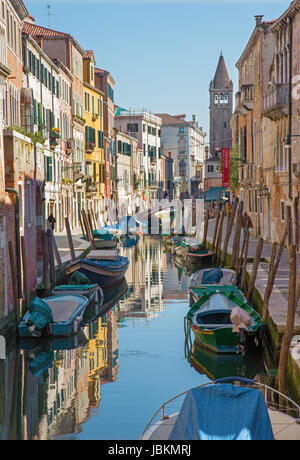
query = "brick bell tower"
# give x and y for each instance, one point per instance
(221, 97)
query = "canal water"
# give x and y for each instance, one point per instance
(108, 382)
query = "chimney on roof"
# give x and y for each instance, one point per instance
(194, 119)
(258, 19)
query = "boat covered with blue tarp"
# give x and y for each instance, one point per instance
(223, 412)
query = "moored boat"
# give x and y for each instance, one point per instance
(198, 255)
(221, 410)
(197, 292)
(102, 272)
(213, 276)
(56, 316)
(223, 322)
(93, 292)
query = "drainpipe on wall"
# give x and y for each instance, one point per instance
(290, 106)
(17, 233)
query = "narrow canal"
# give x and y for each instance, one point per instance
(108, 382)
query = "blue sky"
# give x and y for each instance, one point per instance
(162, 53)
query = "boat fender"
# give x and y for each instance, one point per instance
(76, 324)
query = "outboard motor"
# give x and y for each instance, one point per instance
(241, 321)
(40, 319)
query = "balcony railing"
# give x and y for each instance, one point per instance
(247, 173)
(275, 101)
(247, 93)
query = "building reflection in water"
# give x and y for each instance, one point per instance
(49, 389)
(152, 280)
(47, 393)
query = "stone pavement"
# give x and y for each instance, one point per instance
(80, 245)
(279, 296)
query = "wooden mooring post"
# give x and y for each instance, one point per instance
(253, 276)
(241, 256)
(245, 260)
(81, 225)
(205, 228)
(70, 240)
(274, 264)
(219, 239)
(89, 229)
(289, 331)
(51, 258)
(237, 236)
(46, 272)
(216, 229)
(228, 231)
(57, 254)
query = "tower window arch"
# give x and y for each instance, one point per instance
(182, 168)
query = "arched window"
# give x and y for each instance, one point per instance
(182, 168)
(182, 146)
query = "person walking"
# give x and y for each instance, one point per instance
(246, 222)
(52, 221)
(228, 209)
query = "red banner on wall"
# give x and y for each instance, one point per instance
(225, 167)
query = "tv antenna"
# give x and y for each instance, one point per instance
(49, 14)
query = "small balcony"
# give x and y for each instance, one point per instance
(275, 101)
(239, 107)
(89, 148)
(248, 173)
(247, 96)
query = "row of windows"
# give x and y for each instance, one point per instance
(124, 148)
(90, 137)
(221, 99)
(13, 33)
(151, 130)
(90, 106)
(98, 174)
(42, 73)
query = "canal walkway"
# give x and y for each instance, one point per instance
(80, 245)
(279, 297)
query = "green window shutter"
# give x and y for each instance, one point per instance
(52, 121)
(35, 112)
(40, 114)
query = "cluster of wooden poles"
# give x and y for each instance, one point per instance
(50, 252)
(239, 260)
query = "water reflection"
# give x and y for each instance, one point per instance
(219, 366)
(55, 389)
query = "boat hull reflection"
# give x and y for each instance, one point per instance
(221, 366)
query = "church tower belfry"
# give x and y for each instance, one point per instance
(221, 101)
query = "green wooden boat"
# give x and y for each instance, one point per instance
(197, 292)
(223, 322)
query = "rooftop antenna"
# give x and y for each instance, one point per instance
(49, 14)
